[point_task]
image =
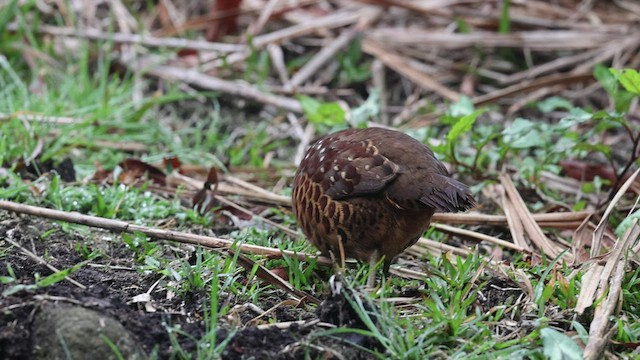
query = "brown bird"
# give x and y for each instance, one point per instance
(371, 193)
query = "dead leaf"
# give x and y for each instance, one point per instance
(171, 163)
(134, 170)
(226, 25)
(205, 199)
(584, 171)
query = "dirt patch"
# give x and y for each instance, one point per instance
(498, 291)
(111, 283)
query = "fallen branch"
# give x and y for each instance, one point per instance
(154, 233)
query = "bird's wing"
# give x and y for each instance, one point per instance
(346, 168)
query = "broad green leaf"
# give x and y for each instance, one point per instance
(558, 346)
(463, 125)
(602, 148)
(563, 144)
(463, 107)
(606, 79)
(576, 116)
(523, 134)
(554, 103)
(327, 113)
(518, 126)
(629, 78)
(528, 165)
(609, 82)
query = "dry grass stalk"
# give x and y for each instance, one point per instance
(581, 239)
(39, 259)
(245, 190)
(559, 220)
(515, 224)
(479, 236)
(277, 60)
(340, 18)
(438, 247)
(610, 283)
(325, 55)
(404, 67)
(285, 229)
(533, 40)
(531, 85)
(196, 78)
(596, 245)
(145, 40)
(522, 219)
(600, 280)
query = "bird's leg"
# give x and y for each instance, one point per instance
(343, 256)
(340, 259)
(373, 260)
(386, 266)
(337, 267)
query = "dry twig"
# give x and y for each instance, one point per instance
(154, 233)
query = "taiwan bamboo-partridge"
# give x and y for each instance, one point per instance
(369, 193)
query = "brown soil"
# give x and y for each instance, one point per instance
(111, 284)
(108, 288)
